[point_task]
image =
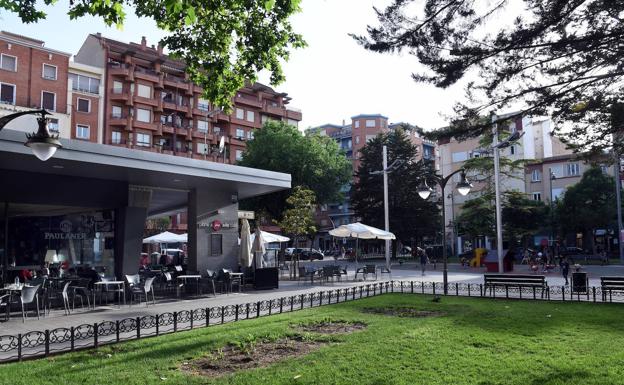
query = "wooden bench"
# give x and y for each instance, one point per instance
(520, 281)
(610, 284)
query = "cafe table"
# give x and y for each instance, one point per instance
(117, 287)
(186, 277)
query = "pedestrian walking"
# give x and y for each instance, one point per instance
(423, 260)
(565, 269)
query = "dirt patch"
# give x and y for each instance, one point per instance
(233, 358)
(332, 327)
(408, 312)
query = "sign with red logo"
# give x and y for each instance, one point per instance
(216, 225)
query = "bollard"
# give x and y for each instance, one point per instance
(138, 327)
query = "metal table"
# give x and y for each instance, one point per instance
(120, 288)
(185, 277)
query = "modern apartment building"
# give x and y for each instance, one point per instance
(351, 139)
(536, 145)
(151, 105)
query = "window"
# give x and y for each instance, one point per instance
(144, 91)
(143, 115)
(536, 176)
(217, 130)
(143, 140)
(116, 114)
(264, 118)
(357, 124)
(48, 100)
(239, 154)
(117, 87)
(537, 196)
(370, 123)
(7, 93)
(88, 84)
(240, 133)
(357, 140)
(250, 135)
(202, 125)
(82, 131)
(573, 169)
(53, 125)
(216, 244)
(49, 72)
(83, 105)
(8, 62)
(116, 137)
(459, 156)
(604, 169)
(251, 116)
(293, 122)
(512, 149)
(202, 148)
(240, 113)
(349, 143)
(202, 104)
(323, 207)
(370, 137)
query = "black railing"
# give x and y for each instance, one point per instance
(50, 341)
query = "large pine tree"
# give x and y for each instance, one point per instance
(411, 218)
(558, 57)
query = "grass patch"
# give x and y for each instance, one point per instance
(476, 341)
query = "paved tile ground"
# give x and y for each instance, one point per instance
(406, 272)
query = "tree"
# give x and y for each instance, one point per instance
(298, 219)
(477, 217)
(314, 162)
(561, 57)
(411, 218)
(522, 217)
(224, 43)
(588, 205)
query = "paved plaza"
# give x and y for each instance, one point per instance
(405, 272)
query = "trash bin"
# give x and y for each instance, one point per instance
(579, 283)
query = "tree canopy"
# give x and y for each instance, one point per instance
(313, 161)
(298, 218)
(411, 217)
(556, 57)
(224, 43)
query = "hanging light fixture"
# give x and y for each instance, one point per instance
(42, 143)
(464, 186)
(424, 191)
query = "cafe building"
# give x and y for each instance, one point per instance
(88, 204)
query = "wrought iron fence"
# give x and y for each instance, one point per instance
(65, 339)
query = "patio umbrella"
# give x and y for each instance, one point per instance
(244, 254)
(359, 231)
(166, 237)
(258, 248)
(270, 237)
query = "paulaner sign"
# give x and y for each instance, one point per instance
(65, 233)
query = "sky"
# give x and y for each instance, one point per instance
(331, 80)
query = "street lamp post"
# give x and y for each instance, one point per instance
(42, 143)
(385, 171)
(424, 191)
(551, 177)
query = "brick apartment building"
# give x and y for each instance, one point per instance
(151, 105)
(352, 138)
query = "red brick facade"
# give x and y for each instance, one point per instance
(28, 78)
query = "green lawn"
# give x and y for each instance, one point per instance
(476, 341)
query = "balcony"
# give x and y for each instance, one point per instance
(146, 74)
(246, 100)
(269, 108)
(118, 94)
(169, 103)
(293, 113)
(118, 69)
(147, 101)
(146, 125)
(175, 81)
(119, 120)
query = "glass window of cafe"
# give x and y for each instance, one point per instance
(71, 241)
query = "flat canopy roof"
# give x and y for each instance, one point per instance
(92, 160)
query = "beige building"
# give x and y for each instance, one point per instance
(536, 144)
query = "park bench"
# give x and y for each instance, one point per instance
(610, 284)
(520, 281)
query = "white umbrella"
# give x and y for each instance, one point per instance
(166, 237)
(244, 255)
(270, 237)
(258, 248)
(358, 231)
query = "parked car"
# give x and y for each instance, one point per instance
(311, 254)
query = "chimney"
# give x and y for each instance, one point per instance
(143, 42)
(343, 122)
(159, 49)
(99, 34)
